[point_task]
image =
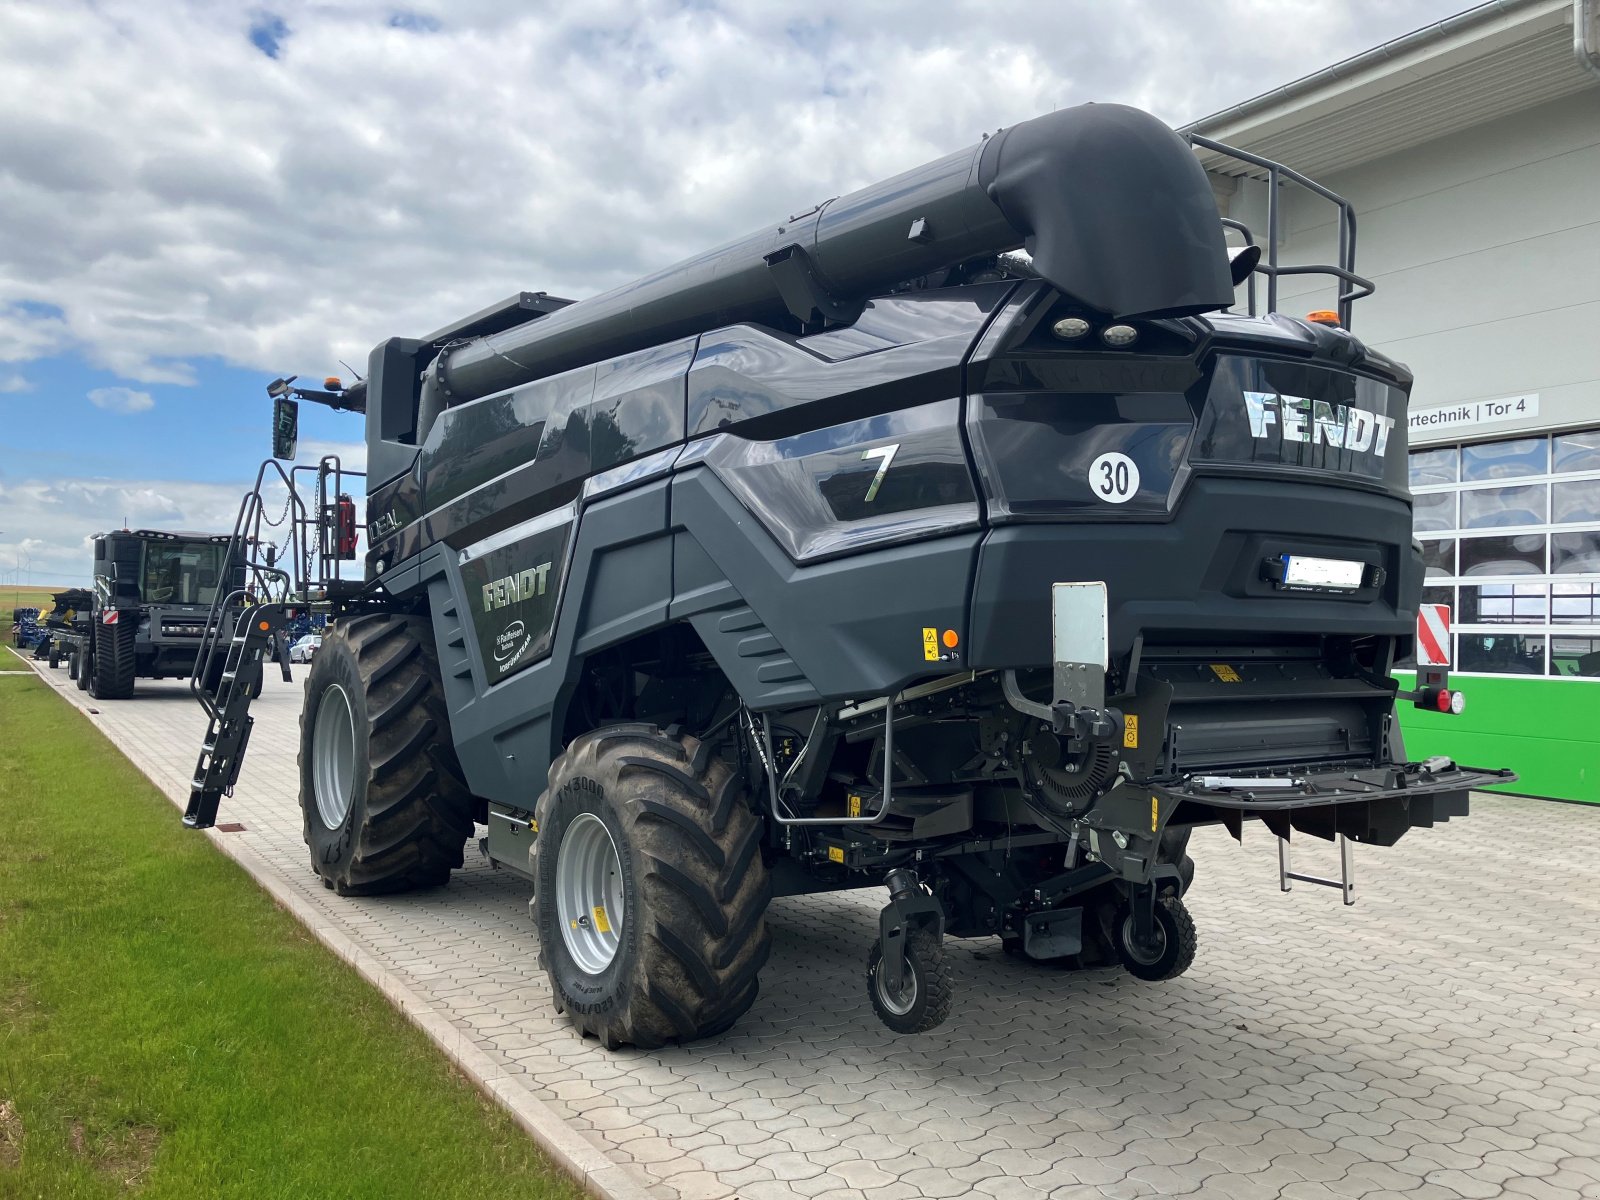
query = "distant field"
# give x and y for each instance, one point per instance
(29, 597)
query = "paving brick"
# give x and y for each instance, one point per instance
(1433, 1042)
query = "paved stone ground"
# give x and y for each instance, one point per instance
(1441, 1039)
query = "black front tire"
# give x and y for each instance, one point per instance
(693, 937)
(406, 810)
(114, 663)
(1175, 942)
(923, 1002)
(55, 654)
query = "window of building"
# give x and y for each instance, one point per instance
(1510, 534)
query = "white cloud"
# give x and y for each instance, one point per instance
(14, 382)
(121, 400)
(352, 456)
(381, 177)
(50, 523)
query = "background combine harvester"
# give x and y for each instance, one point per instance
(858, 551)
(153, 591)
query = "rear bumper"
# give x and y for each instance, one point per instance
(1199, 573)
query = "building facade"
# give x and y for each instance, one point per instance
(1471, 153)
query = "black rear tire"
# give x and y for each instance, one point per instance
(406, 813)
(1176, 941)
(55, 654)
(694, 889)
(111, 677)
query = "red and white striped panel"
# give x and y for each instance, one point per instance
(1433, 635)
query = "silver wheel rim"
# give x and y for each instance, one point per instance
(902, 1002)
(589, 900)
(333, 756)
(1145, 957)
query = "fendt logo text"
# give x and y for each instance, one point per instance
(1342, 426)
(514, 589)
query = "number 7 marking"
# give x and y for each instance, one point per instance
(887, 454)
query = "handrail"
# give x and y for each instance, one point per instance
(1356, 287)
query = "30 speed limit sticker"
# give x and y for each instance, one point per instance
(1114, 478)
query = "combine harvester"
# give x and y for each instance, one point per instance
(862, 550)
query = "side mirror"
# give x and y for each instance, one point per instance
(285, 427)
(1243, 261)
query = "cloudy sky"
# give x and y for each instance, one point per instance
(196, 197)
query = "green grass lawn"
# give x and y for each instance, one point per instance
(12, 596)
(165, 1030)
(9, 660)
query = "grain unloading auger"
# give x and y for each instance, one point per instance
(863, 549)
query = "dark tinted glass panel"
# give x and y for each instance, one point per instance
(1503, 604)
(1500, 654)
(181, 572)
(1284, 415)
(1436, 510)
(1577, 451)
(1439, 557)
(1435, 466)
(1035, 450)
(1575, 604)
(1575, 656)
(1440, 595)
(1486, 508)
(1575, 553)
(886, 478)
(1504, 460)
(1521, 554)
(1576, 501)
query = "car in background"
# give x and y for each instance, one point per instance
(303, 649)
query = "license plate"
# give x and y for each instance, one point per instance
(1300, 571)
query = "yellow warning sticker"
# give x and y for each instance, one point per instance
(836, 854)
(1130, 731)
(855, 805)
(1155, 813)
(1225, 673)
(600, 922)
(533, 825)
(930, 643)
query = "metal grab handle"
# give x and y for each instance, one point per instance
(769, 764)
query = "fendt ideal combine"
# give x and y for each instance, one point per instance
(864, 550)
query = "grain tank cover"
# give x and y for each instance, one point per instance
(1117, 210)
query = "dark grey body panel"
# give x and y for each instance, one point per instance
(1200, 574)
(633, 569)
(839, 629)
(504, 732)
